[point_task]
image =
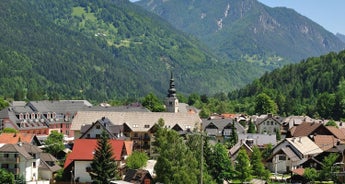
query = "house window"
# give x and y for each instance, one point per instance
(6, 155)
(67, 125)
(88, 135)
(282, 157)
(98, 126)
(34, 164)
(146, 126)
(4, 166)
(98, 136)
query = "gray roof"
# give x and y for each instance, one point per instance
(61, 106)
(137, 121)
(127, 108)
(22, 148)
(221, 124)
(259, 139)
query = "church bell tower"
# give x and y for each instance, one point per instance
(171, 101)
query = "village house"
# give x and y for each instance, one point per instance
(78, 161)
(291, 153)
(21, 159)
(94, 130)
(268, 124)
(221, 129)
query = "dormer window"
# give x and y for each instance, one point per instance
(48, 115)
(21, 116)
(54, 115)
(27, 116)
(38, 115)
(32, 115)
(146, 126)
(135, 126)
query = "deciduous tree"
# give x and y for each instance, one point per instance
(137, 160)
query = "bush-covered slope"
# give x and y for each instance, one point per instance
(100, 50)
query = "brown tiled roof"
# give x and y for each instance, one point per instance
(325, 142)
(305, 129)
(23, 148)
(336, 132)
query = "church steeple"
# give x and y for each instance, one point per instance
(172, 90)
(171, 101)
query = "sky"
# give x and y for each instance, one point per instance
(330, 14)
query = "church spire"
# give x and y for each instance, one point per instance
(171, 101)
(172, 90)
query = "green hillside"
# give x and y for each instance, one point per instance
(100, 50)
(315, 87)
(248, 31)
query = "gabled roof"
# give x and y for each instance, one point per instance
(137, 121)
(336, 132)
(222, 124)
(46, 157)
(13, 138)
(304, 145)
(105, 124)
(305, 129)
(325, 142)
(24, 149)
(266, 117)
(84, 149)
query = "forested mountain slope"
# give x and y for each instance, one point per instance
(315, 87)
(248, 30)
(100, 50)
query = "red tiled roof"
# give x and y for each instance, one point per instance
(336, 132)
(84, 149)
(12, 138)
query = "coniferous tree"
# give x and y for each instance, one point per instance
(103, 166)
(243, 167)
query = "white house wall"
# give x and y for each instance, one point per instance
(80, 171)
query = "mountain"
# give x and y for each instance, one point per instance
(100, 50)
(341, 37)
(315, 87)
(248, 30)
